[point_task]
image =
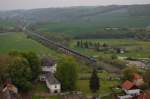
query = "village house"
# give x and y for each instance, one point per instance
(48, 69)
(138, 80)
(9, 91)
(120, 50)
(48, 65)
(52, 83)
(131, 87)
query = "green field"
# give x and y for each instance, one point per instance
(135, 48)
(20, 42)
(83, 85)
(105, 84)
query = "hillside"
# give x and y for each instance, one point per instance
(78, 21)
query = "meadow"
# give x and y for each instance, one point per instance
(20, 42)
(105, 83)
(135, 48)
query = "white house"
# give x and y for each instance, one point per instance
(48, 65)
(52, 83)
(47, 76)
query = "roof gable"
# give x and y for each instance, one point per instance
(47, 62)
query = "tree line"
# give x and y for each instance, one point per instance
(90, 44)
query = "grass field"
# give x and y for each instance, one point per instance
(105, 84)
(136, 48)
(19, 42)
(83, 85)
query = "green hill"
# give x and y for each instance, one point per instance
(79, 21)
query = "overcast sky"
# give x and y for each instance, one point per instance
(29, 4)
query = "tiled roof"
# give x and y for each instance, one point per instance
(47, 62)
(51, 78)
(127, 85)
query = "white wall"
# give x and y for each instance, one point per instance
(53, 87)
(51, 69)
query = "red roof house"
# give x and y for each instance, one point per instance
(127, 85)
(136, 76)
(138, 80)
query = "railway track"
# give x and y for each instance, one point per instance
(51, 44)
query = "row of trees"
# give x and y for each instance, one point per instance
(22, 68)
(89, 44)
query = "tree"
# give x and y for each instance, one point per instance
(86, 44)
(128, 72)
(82, 45)
(4, 64)
(78, 44)
(33, 61)
(114, 56)
(24, 69)
(20, 73)
(67, 73)
(34, 64)
(146, 76)
(94, 81)
(105, 45)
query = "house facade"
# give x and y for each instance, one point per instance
(48, 65)
(48, 69)
(131, 88)
(9, 91)
(52, 83)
